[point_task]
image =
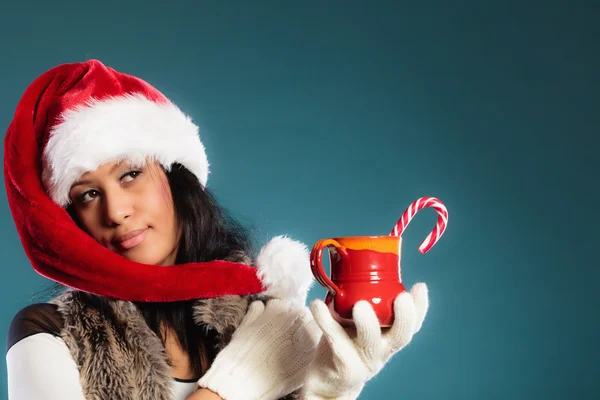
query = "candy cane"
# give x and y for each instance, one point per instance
(417, 206)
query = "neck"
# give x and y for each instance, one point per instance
(183, 339)
(179, 359)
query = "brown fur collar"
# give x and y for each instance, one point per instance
(117, 354)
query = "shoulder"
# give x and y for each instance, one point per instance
(39, 364)
(34, 319)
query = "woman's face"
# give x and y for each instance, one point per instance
(129, 210)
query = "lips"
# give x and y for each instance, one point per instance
(131, 239)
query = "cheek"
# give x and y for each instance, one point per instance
(88, 221)
(160, 206)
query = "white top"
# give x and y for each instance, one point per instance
(40, 366)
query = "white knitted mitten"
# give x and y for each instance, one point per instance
(268, 355)
(344, 363)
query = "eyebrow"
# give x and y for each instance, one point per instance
(79, 183)
(87, 182)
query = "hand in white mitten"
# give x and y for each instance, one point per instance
(268, 355)
(343, 364)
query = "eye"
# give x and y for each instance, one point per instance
(88, 196)
(130, 176)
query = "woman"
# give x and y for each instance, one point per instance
(106, 180)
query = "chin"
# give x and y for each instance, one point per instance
(145, 257)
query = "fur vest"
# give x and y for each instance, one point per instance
(120, 357)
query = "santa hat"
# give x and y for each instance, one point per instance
(72, 119)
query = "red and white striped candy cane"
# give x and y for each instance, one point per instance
(410, 212)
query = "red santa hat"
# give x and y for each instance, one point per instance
(72, 119)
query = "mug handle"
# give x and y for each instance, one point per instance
(316, 265)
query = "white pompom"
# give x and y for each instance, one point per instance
(284, 268)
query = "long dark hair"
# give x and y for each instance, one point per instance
(208, 233)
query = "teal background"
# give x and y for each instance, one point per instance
(329, 118)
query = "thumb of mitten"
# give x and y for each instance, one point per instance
(403, 328)
(254, 311)
(332, 331)
(311, 334)
(368, 336)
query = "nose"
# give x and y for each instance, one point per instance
(118, 206)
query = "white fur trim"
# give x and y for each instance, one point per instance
(129, 127)
(284, 268)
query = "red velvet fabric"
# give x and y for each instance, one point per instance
(56, 247)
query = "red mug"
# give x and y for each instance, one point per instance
(362, 268)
